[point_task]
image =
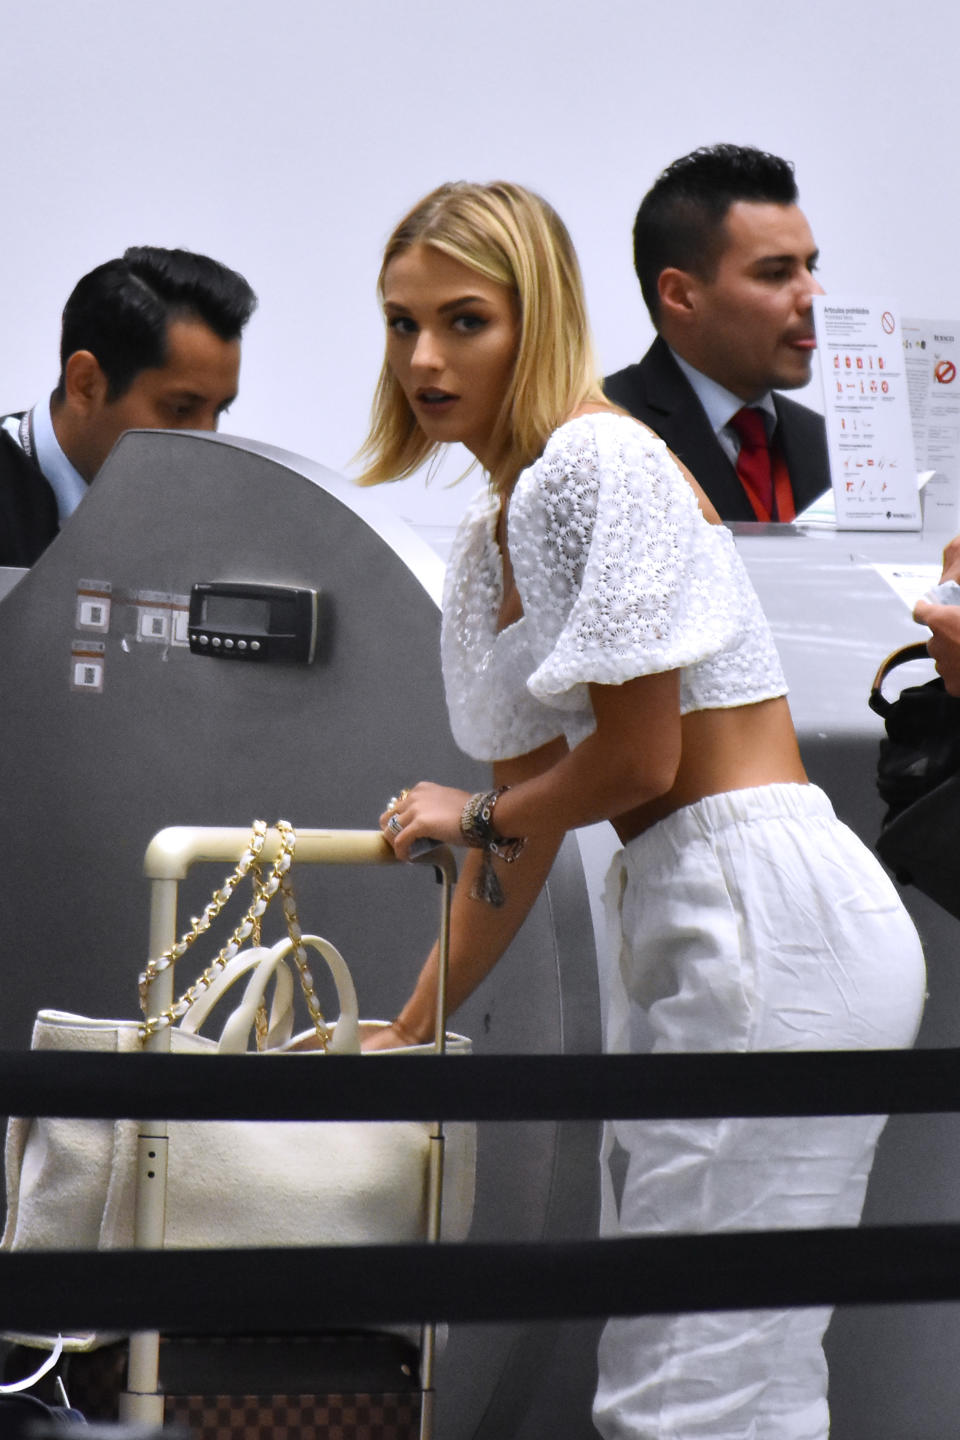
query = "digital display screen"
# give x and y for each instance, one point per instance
(236, 612)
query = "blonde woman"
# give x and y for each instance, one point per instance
(604, 650)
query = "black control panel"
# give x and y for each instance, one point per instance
(234, 620)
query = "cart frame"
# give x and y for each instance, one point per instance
(168, 857)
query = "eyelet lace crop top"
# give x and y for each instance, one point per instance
(619, 575)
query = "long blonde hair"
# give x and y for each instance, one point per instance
(513, 237)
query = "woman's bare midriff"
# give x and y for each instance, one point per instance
(724, 750)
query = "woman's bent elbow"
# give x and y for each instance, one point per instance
(640, 785)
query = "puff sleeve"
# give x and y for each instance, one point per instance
(619, 573)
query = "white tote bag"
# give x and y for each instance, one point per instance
(71, 1183)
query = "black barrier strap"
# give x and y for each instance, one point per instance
(481, 1087)
(294, 1290)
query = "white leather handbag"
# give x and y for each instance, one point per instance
(71, 1183)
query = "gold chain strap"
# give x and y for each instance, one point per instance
(324, 1031)
(282, 871)
(260, 1020)
(198, 926)
(264, 891)
(249, 928)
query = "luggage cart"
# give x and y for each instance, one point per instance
(168, 857)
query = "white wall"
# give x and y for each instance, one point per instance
(287, 137)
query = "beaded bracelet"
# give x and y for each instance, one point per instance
(476, 827)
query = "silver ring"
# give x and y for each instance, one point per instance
(394, 824)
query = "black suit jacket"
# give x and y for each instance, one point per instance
(657, 392)
(28, 508)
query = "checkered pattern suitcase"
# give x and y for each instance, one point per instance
(256, 1388)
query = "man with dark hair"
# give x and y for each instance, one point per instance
(151, 341)
(726, 264)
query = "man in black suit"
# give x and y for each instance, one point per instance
(148, 341)
(726, 264)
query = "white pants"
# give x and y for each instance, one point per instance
(753, 920)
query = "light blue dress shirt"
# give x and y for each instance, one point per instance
(721, 405)
(67, 483)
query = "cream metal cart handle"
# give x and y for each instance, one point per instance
(169, 856)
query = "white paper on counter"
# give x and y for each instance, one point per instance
(909, 582)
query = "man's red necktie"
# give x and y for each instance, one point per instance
(754, 469)
(761, 470)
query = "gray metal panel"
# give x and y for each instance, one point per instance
(87, 777)
(9, 576)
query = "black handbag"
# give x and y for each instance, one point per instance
(918, 777)
(24, 1417)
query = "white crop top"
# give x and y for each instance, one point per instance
(619, 575)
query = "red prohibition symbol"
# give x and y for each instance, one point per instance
(944, 372)
(888, 322)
